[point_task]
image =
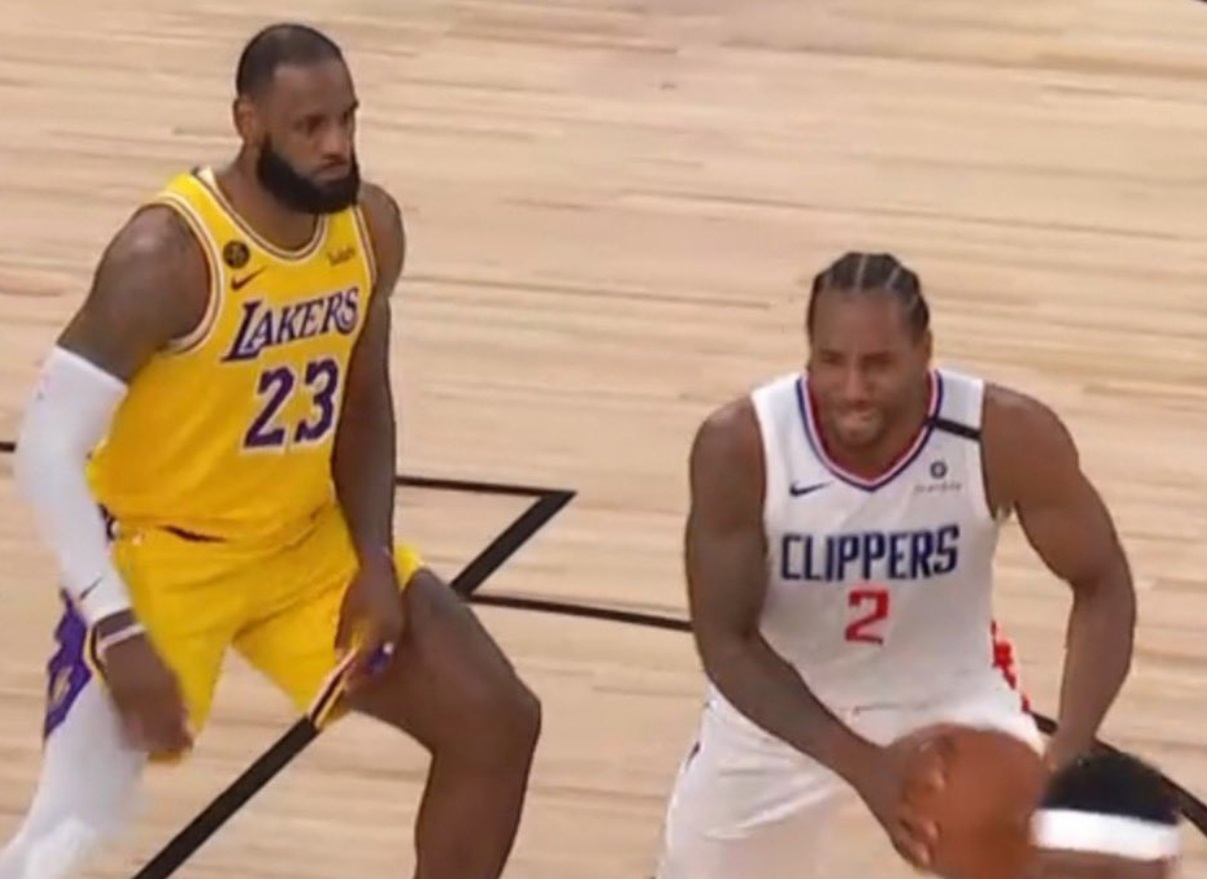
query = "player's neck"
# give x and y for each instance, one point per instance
(271, 220)
(875, 460)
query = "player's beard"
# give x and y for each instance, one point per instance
(298, 192)
(858, 432)
(862, 432)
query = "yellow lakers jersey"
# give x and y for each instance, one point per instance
(229, 433)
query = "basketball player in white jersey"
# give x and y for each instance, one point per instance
(839, 552)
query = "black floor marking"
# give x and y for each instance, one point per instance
(547, 503)
(1192, 808)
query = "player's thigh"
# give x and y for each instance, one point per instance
(739, 808)
(182, 592)
(294, 645)
(449, 677)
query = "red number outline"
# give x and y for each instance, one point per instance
(858, 628)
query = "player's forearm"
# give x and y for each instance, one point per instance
(364, 475)
(67, 417)
(1098, 657)
(772, 694)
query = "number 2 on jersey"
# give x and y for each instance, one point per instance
(872, 602)
(320, 379)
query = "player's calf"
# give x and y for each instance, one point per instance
(452, 689)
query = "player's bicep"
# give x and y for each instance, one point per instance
(724, 543)
(383, 219)
(1060, 511)
(150, 287)
(1071, 530)
(725, 576)
(368, 369)
(368, 372)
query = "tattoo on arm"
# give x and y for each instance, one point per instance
(150, 287)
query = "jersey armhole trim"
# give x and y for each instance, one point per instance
(366, 245)
(974, 433)
(217, 285)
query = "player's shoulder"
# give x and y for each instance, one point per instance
(377, 199)
(387, 232)
(1027, 447)
(150, 286)
(726, 463)
(381, 210)
(155, 231)
(156, 243)
(1012, 416)
(728, 435)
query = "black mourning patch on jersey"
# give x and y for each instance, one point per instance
(235, 254)
(955, 428)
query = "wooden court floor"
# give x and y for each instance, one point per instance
(612, 205)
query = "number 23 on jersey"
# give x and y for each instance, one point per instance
(319, 382)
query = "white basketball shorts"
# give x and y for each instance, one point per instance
(747, 806)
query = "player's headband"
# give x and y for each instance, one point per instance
(1119, 835)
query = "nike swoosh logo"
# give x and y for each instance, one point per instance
(88, 591)
(801, 490)
(240, 283)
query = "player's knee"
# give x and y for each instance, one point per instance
(528, 716)
(515, 711)
(504, 717)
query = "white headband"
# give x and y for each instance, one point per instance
(1132, 838)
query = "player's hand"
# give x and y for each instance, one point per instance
(371, 618)
(144, 690)
(891, 786)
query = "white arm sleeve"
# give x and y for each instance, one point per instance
(69, 414)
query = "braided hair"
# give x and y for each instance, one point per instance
(879, 273)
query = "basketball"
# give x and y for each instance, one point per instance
(993, 783)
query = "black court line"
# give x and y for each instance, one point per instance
(303, 732)
(1192, 808)
(547, 504)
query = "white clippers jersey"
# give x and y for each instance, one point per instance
(879, 590)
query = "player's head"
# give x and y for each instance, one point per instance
(295, 108)
(1107, 816)
(869, 346)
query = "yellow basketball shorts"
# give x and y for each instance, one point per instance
(279, 609)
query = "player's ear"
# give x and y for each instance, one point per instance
(247, 120)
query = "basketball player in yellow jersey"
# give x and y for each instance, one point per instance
(223, 396)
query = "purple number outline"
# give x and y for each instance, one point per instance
(325, 371)
(278, 384)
